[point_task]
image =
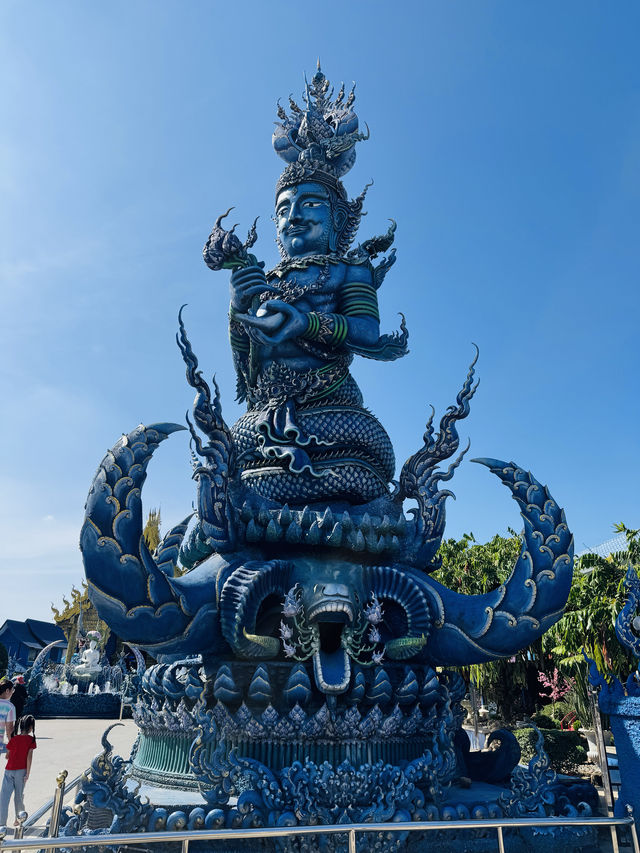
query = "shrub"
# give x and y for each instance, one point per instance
(562, 709)
(544, 721)
(567, 750)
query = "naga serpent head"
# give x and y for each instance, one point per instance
(329, 604)
(333, 612)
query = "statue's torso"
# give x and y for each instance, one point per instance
(316, 288)
(306, 434)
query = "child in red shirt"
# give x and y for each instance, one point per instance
(19, 754)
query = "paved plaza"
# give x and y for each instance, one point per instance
(68, 744)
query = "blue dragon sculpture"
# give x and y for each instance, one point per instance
(297, 644)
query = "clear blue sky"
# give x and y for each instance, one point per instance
(505, 140)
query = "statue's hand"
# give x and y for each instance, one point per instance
(275, 322)
(245, 284)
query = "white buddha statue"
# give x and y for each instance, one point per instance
(89, 665)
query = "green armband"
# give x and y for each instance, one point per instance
(359, 300)
(329, 329)
(238, 337)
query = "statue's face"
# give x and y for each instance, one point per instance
(304, 219)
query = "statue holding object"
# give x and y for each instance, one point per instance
(306, 435)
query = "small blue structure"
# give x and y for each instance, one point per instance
(622, 701)
(25, 640)
(298, 676)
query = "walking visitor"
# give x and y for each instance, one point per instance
(7, 712)
(19, 754)
(20, 694)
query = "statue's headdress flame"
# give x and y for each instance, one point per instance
(318, 141)
(319, 144)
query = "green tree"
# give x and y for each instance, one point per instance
(151, 530)
(4, 660)
(472, 568)
(597, 596)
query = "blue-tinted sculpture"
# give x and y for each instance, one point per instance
(622, 701)
(297, 654)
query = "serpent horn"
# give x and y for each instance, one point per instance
(130, 591)
(476, 628)
(389, 583)
(245, 590)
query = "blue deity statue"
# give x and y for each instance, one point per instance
(306, 436)
(295, 623)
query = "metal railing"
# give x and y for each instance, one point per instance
(603, 759)
(54, 805)
(351, 831)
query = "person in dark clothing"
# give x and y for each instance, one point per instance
(20, 694)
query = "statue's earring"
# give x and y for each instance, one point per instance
(339, 220)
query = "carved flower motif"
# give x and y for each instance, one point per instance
(289, 649)
(286, 633)
(374, 635)
(373, 611)
(223, 249)
(291, 606)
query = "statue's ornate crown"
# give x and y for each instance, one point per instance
(318, 142)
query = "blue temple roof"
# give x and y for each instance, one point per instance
(23, 640)
(46, 632)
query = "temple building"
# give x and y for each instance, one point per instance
(79, 616)
(25, 640)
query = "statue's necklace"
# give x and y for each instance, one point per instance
(290, 290)
(288, 264)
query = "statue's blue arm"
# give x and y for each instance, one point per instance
(240, 352)
(359, 306)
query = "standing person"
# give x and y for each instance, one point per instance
(20, 694)
(19, 754)
(7, 711)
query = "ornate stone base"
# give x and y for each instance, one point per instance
(114, 804)
(100, 706)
